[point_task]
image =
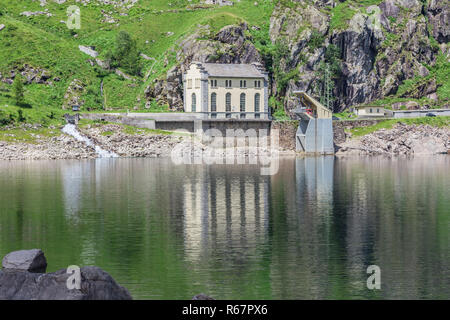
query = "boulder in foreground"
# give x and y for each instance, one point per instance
(26, 260)
(20, 284)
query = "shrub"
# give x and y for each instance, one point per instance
(18, 90)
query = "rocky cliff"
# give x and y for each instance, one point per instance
(378, 46)
(371, 50)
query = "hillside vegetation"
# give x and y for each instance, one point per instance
(36, 42)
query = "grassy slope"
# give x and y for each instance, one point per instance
(45, 42)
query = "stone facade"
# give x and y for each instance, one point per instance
(238, 91)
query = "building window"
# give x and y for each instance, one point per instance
(243, 84)
(189, 84)
(370, 110)
(213, 115)
(242, 102)
(213, 102)
(258, 84)
(214, 83)
(257, 116)
(197, 83)
(378, 110)
(228, 102)
(194, 102)
(242, 115)
(257, 100)
(228, 83)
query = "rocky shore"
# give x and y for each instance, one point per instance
(402, 139)
(127, 141)
(138, 143)
(45, 148)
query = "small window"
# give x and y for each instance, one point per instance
(257, 116)
(189, 83)
(214, 83)
(213, 115)
(243, 84)
(228, 83)
(194, 102)
(258, 84)
(197, 83)
(242, 115)
(378, 110)
(228, 115)
(370, 110)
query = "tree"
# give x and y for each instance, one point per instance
(18, 90)
(126, 54)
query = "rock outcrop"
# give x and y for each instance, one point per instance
(30, 75)
(230, 45)
(25, 260)
(402, 139)
(372, 50)
(202, 296)
(379, 47)
(96, 284)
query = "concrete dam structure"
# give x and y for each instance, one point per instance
(315, 130)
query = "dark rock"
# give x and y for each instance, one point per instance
(19, 284)
(96, 284)
(25, 260)
(438, 14)
(202, 296)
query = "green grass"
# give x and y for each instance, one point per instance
(346, 115)
(45, 42)
(341, 15)
(388, 124)
(27, 135)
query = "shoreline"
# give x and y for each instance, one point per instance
(30, 142)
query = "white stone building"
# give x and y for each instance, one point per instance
(238, 91)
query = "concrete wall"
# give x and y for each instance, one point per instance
(136, 122)
(318, 137)
(420, 113)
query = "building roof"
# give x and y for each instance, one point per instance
(224, 70)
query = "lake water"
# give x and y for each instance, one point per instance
(170, 232)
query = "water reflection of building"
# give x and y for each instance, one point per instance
(224, 208)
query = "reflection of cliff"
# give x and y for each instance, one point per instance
(388, 208)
